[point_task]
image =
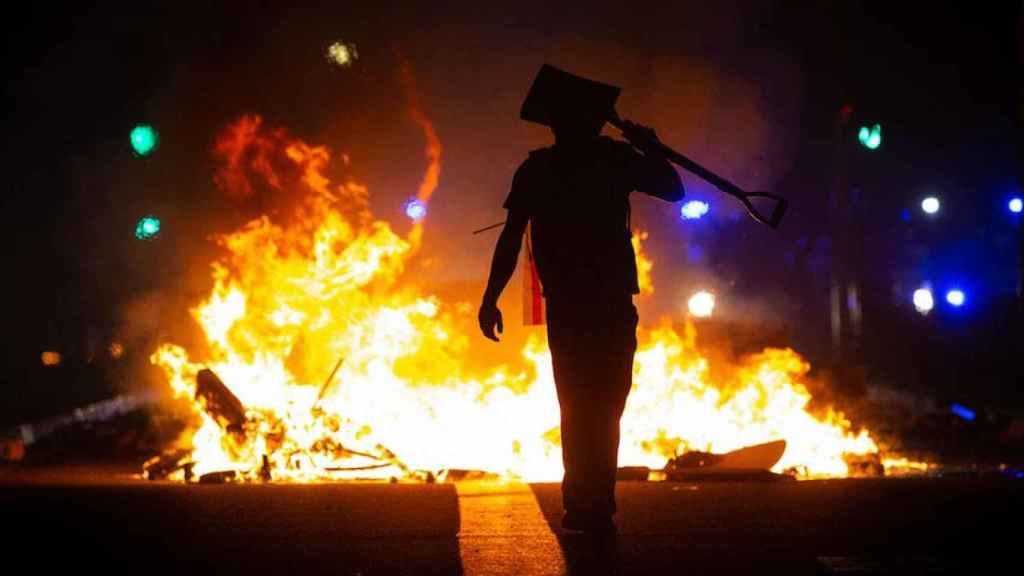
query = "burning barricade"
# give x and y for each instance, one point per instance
(292, 295)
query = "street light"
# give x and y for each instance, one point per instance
(342, 54)
(923, 300)
(930, 205)
(701, 304)
(1016, 205)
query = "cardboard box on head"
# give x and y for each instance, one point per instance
(558, 96)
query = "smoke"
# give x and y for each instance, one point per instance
(712, 80)
(731, 103)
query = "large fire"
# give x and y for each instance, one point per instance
(325, 291)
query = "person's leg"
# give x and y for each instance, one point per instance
(566, 340)
(609, 380)
(592, 357)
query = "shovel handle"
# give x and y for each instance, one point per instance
(630, 129)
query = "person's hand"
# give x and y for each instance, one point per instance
(643, 137)
(490, 318)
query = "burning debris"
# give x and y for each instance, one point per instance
(241, 428)
(219, 402)
(293, 295)
(750, 463)
(168, 463)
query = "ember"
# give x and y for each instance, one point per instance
(291, 296)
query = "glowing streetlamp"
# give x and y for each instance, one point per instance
(923, 300)
(701, 304)
(342, 54)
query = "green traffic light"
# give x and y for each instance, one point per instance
(144, 139)
(870, 138)
(147, 228)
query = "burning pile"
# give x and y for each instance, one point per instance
(292, 297)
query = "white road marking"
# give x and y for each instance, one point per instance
(502, 531)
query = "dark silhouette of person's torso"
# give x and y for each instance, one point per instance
(577, 199)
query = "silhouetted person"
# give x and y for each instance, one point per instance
(575, 196)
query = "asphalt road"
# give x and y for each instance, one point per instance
(61, 520)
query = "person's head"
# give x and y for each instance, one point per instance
(577, 128)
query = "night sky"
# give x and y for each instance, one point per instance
(752, 90)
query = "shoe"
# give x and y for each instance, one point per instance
(591, 524)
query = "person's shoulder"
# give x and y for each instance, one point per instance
(537, 160)
(529, 175)
(538, 155)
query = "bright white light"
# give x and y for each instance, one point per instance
(694, 209)
(1016, 205)
(702, 304)
(956, 297)
(930, 205)
(923, 300)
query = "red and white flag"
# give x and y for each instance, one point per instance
(533, 293)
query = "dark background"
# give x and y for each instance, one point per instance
(752, 90)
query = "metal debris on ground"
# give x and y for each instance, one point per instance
(749, 464)
(218, 477)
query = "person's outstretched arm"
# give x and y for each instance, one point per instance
(503, 264)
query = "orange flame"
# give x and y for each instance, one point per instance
(644, 264)
(433, 150)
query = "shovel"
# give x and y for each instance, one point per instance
(636, 135)
(555, 93)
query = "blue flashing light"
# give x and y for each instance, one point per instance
(694, 209)
(1016, 205)
(415, 209)
(963, 412)
(956, 297)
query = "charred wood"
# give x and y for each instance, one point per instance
(219, 402)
